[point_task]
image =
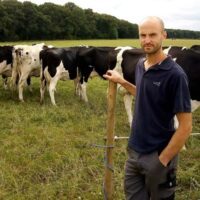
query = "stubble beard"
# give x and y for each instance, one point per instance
(152, 50)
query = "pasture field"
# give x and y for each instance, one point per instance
(49, 153)
(120, 42)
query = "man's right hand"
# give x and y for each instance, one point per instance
(114, 76)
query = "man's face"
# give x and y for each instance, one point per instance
(151, 37)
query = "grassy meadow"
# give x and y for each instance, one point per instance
(49, 153)
(120, 42)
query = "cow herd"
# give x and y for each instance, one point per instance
(78, 63)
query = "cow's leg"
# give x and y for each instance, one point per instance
(28, 83)
(42, 89)
(5, 82)
(22, 81)
(80, 91)
(13, 81)
(3, 68)
(195, 104)
(16, 72)
(52, 89)
(76, 86)
(176, 124)
(83, 92)
(128, 101)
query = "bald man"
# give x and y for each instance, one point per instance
(161, 92)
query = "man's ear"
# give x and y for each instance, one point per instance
(165, 34)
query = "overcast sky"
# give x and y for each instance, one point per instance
(177, 14)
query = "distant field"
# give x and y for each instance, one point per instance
(48, 153)
(121, 42)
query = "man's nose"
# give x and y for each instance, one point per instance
(147, 39)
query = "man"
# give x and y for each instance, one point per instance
(161, 92)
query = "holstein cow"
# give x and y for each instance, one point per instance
(93, 61)
(126, 62)
(57, 64)
(6, 61)
(188, 59)
(100, 59)
(6, 64)
(16, 62)
(26, 64)
(195, 48)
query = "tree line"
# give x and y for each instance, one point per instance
(28, 21)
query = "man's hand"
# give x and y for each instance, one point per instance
(114, 76)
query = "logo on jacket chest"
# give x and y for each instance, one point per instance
(157, 83)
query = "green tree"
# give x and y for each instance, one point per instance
(28, 21)
(127, 30)
(12, 19)
(106, 26)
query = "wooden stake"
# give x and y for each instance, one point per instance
(108, 181)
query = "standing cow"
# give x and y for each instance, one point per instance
(26, 63)
(188, 59)
(57, 64)
(6, 61)
(195, 48)
(93, 61)
(100, 59)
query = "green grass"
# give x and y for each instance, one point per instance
(49, 153)
(120, 42)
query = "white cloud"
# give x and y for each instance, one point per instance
(177, 14)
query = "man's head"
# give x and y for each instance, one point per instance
(151, 34)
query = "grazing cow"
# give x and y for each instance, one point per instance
(57, 64)
(6, 63)
(26, 63)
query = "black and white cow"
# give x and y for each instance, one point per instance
(93, 61)
(188, 59)
(6, 61)
(58, 64)
(195, 48)
(122, 59)
(127, 60)
(100, 59)
(26, 63)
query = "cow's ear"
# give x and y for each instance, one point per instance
(87, 51)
